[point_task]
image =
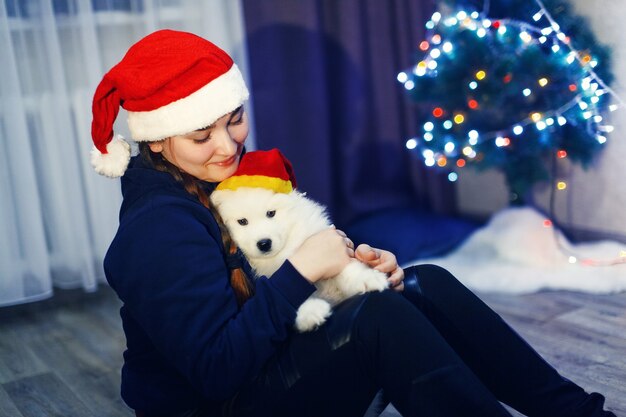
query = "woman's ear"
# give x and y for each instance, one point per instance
(156, 147)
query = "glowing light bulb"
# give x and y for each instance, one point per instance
(453, 176)
(432, 65)
(459, 118)
(428, 136)
(447, 47)
(535, 117)
(540, 125)
(572, 259)
(527, 92)
(460, 163)
(543, 39)
(480, 75)
(435, 53)
(601, 139)
(436, 39)
(561, 154)
(411, 144)
(472, 104)
(449, 147)
(428, 154)
(587, 115)
(424, 45)
(429, 162)
(561, 185)
(436, 17)
(409, 85)
(546, 31)
(561, 120)
(430, 24)
(467, 151)
(597, 119)
(518, 130)
(549, 121)
(525, 36)
(556, 48)
(473, 85)
(486, 23)
(481, 32)
(613, 107)
(451, 21)
(537, 16)
(502, 30)
(473, 137)
(583, 105)
(402, 77)
(442, 161)
(438, 112)
(429, 126)
(502, 141)
(475, 15)
(543, 82)
(447, 124)
(461, 15)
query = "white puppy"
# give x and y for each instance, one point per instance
(268, 227)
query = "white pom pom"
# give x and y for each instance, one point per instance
(114, 162)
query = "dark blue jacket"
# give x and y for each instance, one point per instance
(188, 343)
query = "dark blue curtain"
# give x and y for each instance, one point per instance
(324, 90)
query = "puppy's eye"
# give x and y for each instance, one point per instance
(271, 213)
(242, 222)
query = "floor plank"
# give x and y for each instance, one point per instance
(45, 395)
(63, 357)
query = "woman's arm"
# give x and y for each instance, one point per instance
(170, 272)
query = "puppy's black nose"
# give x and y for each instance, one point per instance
(264, 245)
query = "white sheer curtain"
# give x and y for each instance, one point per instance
(57, 217)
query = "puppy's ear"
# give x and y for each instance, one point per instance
(218, 197)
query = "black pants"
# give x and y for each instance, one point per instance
(436, 351)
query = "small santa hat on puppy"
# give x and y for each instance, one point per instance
(262, 169)
(171, 83)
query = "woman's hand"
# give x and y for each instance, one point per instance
(383, 261)
(323, 255)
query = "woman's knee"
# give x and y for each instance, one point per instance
(434, 278)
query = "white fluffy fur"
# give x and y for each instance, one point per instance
(516, 253)
(197, 110)
(114, 162)
(296, 218)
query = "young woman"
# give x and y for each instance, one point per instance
(204, 340)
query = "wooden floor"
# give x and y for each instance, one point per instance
(62, 357)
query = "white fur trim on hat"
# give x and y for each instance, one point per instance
(199, 109)
(113, 163)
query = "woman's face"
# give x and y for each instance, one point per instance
(210, 154)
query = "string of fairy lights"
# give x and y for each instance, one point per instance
(584, 106)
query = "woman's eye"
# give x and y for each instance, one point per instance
(242, 222)
(271, 213)
(236, 122)
(203, 140)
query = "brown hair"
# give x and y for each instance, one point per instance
(238, 279)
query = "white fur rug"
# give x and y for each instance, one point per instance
(516, 253)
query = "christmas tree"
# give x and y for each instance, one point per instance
(511, 85)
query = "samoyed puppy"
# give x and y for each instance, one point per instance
(269, 226)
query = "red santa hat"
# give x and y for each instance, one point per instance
(171, 83)
(262, 169)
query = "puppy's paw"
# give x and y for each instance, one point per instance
(312, 314)
(358, 278)
(374, 280)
